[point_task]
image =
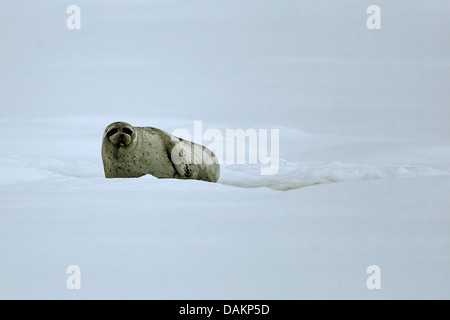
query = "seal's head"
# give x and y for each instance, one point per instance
(120, 134)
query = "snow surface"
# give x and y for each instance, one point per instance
(364, 172)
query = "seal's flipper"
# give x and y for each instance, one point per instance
(184, 160)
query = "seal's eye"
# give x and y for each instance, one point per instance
(127, 131)
(111, 132)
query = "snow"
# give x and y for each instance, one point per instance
(364, 170)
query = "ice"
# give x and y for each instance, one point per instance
(363, 175)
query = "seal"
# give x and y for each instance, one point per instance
(131, 152)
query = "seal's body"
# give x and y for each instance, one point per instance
(131, 152)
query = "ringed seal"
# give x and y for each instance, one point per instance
(131, 152)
